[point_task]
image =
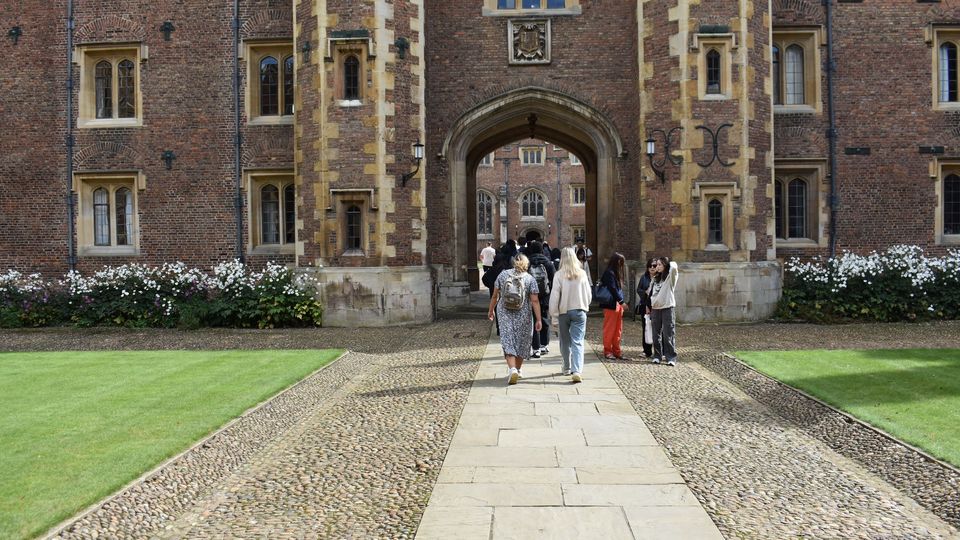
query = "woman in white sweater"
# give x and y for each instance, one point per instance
(569, 302)
(663, 311)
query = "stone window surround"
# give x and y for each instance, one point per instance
(936, 35)
(532, 149)
(494, 205)
(87, 57)
(939, 170)
(490, 10)
(725, 44)
(253, 52)
(815, 172)
(341, 199)
(543, 198)
(254, 180)
(84, 185)
(725, 192)
(339, 49)
(810, 39)
(573, 194)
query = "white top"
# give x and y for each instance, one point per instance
(661, 293)
(487, 255)
(568, 294)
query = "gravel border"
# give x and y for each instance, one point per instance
(929, 481)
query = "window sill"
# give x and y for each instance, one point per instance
(286, 120)
(716, 247)
(715, 97)
(107, 251)
(949, 240)
(272, 249)
(354, 253)
(794, 109)
(796, 243)
(578, 204)
(572, 10)
(349, 102)
(101, 123)
(532, 218)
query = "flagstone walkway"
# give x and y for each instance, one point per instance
(546, 458)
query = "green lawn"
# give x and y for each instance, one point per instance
(913, 394)
(76, 426)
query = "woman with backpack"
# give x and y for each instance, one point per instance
(663, 311)
(569, 303)
(517, 304)
(612, 304)
(542, 270)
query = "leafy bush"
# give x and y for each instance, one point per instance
(137, 296)
(901, 284)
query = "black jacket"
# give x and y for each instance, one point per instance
(539, 259)
(609, 280)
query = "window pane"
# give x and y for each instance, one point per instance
(269, 87)
(124, 209)
(104, 83)
(288, 86)
(353, 228)
(126, 90)
(506, 4)
(777, 84)
(951, 205)
(484, 213)
(289, 214)
(351, 78)
(948, 72)
(531, 4)
(797, 209)
(778, 207)
(794, 75)
(715, 222)
(556, 4)
(101, 218)
(269, 215)
(713, 72)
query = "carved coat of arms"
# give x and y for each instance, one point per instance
(530, 42)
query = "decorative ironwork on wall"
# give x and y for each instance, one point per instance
(529, 41)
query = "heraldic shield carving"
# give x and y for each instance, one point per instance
(529, 41)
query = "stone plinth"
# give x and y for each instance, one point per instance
(378, 296)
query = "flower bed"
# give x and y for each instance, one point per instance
(897, 285)
(134, 295)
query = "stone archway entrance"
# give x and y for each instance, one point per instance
(531, 112)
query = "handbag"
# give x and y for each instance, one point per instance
(647, 330)
(603, 294)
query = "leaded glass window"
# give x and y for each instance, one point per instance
(778, 208)
(777, 82)
(351, 78)
(288, 85)
(532, 204)
(794, 75)
(126, 90)
(104, 84)
(124, 211)
(715, 222)
(951, 204)
(289, 213)
(354, 227)
(269, 87)
(713, 72)
(101, 217)
(269, 215)
(948, 72)
(484, 213)
(797, 208)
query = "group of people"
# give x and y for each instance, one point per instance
(530, 292)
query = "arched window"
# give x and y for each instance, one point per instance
(126, 90)
(269, 86)
(777, 83)
(794, 75)
(289, 213)
(104, 84)
(269, 215)
(778, 208)
(713, 72)
(124, 210)
(951, 204)
(715, 222)
(354, 231)
(288, 85)
(101, 217)
(351, 78)
(797, 208)
(948, 72)
(484, 213)
(532, 204)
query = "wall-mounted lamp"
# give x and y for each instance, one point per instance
(168, 156)
(15, 34)
(166, 28)
(305, 51)
(659, 167)
(418, 157)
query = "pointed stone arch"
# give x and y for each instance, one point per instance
(533, 112)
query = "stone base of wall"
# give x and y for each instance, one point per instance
(728, 292)
(378, 296)
(453, 294)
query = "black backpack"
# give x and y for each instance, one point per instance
(539, 272)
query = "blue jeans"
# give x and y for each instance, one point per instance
(573, 326)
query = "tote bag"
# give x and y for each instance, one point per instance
(603, 294)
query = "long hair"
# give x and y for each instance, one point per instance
(521, 263)
(617, 263)
(571, 266)
(660, 276)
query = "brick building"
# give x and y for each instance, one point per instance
(191, 130)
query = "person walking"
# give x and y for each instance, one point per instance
(643, 306)
(542, 269)
(612, 279)
(516, 303)
(663, 310)
(570, 300)
(487, 255)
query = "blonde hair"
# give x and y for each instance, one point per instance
(570, 264)
(521, 263)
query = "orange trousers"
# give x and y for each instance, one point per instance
(612, 331)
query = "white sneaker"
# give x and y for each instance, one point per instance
(655, 360)
(513, 377)
(566, 373)
(672, 362)
(577, 378)
(519, 373)
(544, 350)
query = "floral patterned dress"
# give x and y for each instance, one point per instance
(516, 326)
